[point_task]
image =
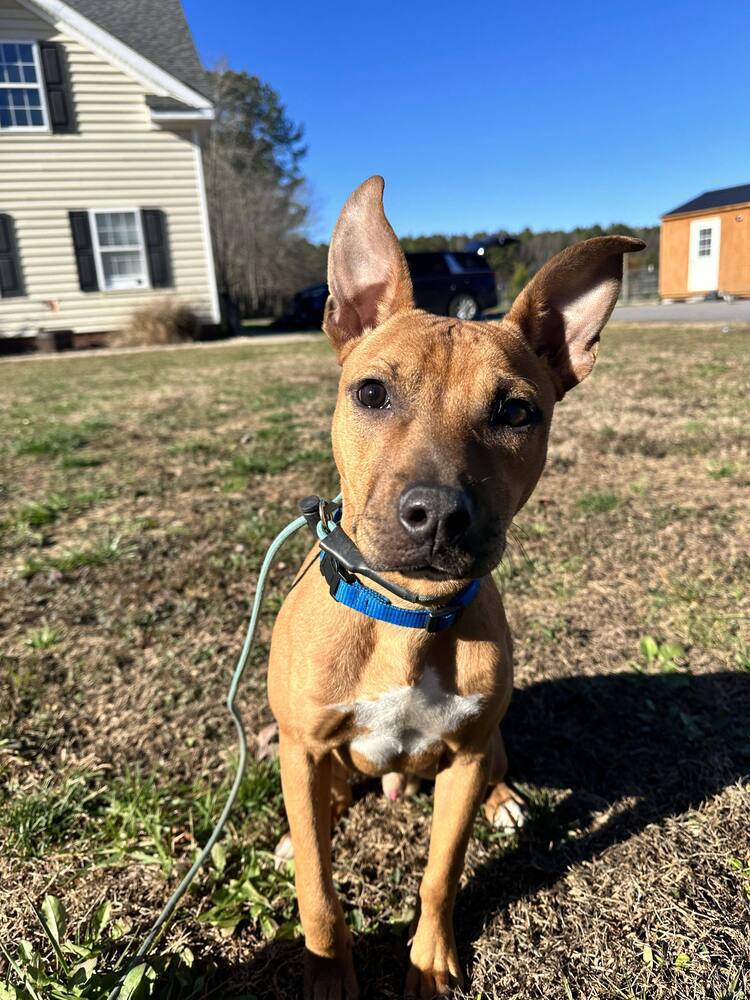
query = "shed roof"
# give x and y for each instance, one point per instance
(156, 29)
(715, 199)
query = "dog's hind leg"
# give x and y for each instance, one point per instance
(341, 789)
(504, 808)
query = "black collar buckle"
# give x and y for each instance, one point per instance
(333, 572)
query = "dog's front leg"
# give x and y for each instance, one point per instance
(306, 783)
(459, 789)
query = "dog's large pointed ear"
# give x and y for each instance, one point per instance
(566, 304)
(368, 279)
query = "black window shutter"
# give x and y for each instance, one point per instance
(157, 247)
(11, 282)
(84, 248)
(57, 85)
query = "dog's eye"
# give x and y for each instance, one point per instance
(513, 413)
(373, 395)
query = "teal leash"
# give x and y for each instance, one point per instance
(174, 900)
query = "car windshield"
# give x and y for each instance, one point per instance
(460, 261)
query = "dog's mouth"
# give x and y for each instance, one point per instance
(476, 554)
(423, 572)
(442, 567)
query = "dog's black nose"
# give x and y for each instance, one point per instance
(436, 515)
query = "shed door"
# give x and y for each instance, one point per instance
(703, 265)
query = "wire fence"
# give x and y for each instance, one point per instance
(640, 283)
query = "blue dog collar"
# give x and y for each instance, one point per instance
(353, 594)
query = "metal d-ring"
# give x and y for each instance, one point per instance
(323, 513)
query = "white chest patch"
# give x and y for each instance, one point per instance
(409, 720)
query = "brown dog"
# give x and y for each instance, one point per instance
(439, 435)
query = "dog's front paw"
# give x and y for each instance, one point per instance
(505, 809)
(433, 970)
(330, 978)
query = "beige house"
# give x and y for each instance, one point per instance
(103, 108)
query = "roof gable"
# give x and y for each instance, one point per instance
(715, 199)
(161, 22)
(155, 29)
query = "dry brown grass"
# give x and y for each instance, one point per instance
(162, 322)
(138, 493)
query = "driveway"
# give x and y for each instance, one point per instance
(685, 312)
(260, 339)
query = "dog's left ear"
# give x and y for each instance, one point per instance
(564, 307)
(368, 279)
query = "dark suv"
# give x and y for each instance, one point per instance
(452, 283)
(446, 282)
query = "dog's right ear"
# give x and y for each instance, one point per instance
(368, 279)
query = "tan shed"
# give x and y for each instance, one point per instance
(705, 245)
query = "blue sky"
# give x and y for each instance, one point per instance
(546, 114)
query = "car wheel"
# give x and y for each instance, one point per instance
(463, 306)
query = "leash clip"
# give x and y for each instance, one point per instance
(317, 511)
(324, 512)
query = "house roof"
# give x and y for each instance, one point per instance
(715, 199)
(165, 104)
(156, 30)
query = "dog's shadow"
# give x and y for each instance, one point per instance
(626, 749)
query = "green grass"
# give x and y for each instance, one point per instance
(45, 637)
(723, 470)
(257, 892)
(39, 821)
(54, 441)
(36, 515)
(59, 440)
(710, 370)
(270, 461)
(691, 604)
(81, 460)
(106, 550)
(197, 446)
(598, 503)
(272, 449)
(139, 820)
(85, 963)
(136, 815)
(41, 514)
(282, 393)
(665, 656)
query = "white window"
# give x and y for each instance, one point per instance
(704, 242)
(22, 102)
(117, 237)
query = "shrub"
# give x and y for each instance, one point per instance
(163, 322)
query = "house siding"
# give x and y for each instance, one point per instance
(734, 252)
(116, 159)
